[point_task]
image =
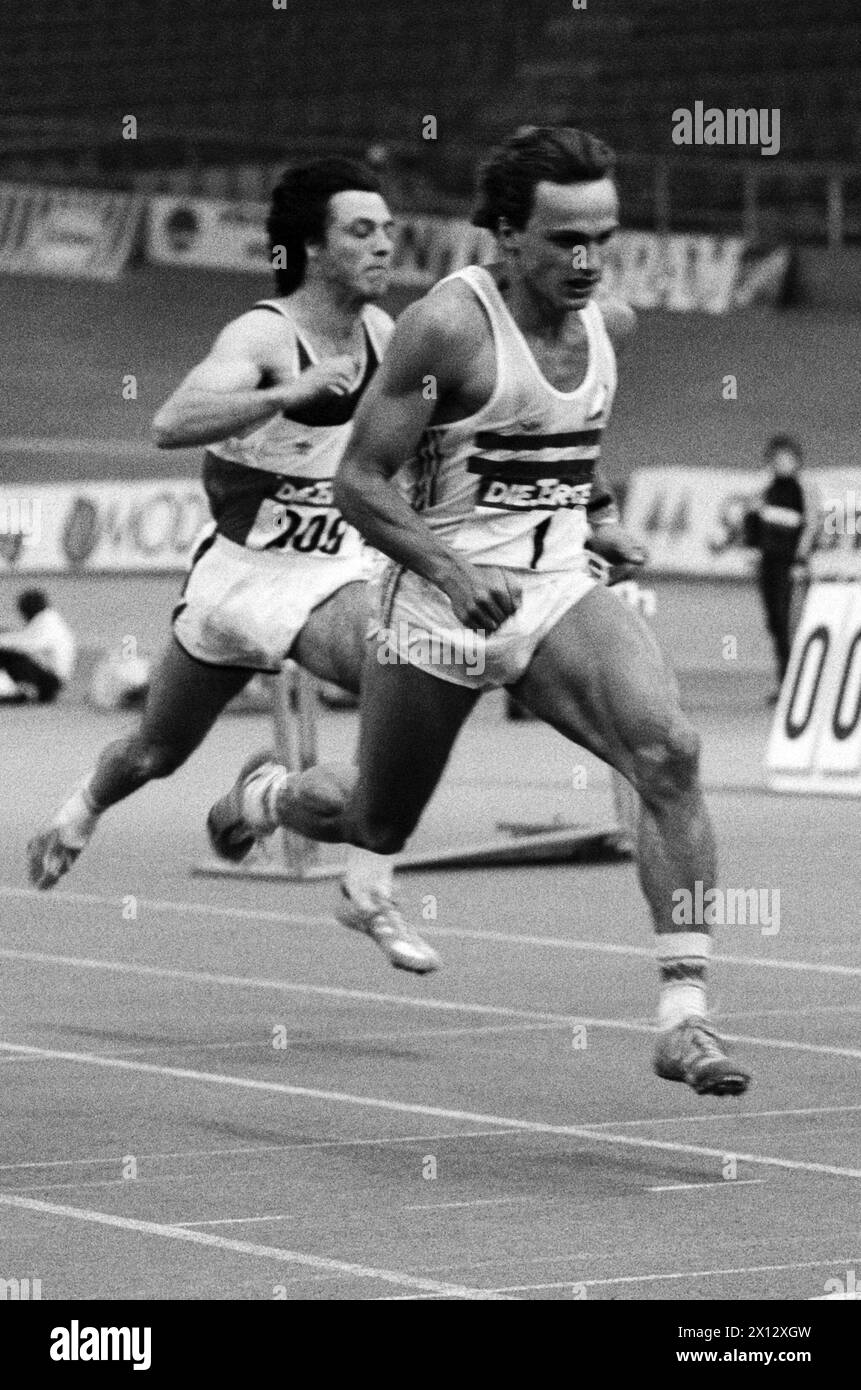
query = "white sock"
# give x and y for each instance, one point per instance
(260, 797)
(368, 874)
(76, 819)
(682, 957)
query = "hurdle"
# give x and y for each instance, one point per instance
(295, 708)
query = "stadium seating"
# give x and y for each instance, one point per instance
(218, 84)
(625, 71)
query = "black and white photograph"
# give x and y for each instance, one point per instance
(430, 666)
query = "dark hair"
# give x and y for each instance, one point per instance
(299, 208)
(31, 602)
(560, 154)
(787, 443)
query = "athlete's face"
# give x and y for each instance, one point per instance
(560, 251)
(357, 250)
(784, 463)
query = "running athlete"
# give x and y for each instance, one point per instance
(279, 573)
(505, 486)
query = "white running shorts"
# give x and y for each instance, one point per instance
(244, 607)
(415, 623)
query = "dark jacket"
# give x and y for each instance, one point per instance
(776, 525)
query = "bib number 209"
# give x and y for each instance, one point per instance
(323, 533)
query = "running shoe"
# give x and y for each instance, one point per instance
(49, 857)
(229, 832)
(693, 1053)
(383, 922)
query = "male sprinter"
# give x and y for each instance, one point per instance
(504, 489)
(280, 573)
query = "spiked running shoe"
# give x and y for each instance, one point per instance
(229, 833)
(692, 1052)
(382, 921)
(49, 858)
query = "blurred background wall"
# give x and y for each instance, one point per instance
(223, 93)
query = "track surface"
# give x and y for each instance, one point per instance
(210, 1091)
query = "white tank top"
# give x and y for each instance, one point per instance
(271, 488)
(509, 485)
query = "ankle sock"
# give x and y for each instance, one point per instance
(682, 961)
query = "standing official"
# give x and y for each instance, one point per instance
(782, 532)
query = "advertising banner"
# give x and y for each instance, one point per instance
(692, 519)
(690, 272)
(99, 527)
(231, 236)
(68, 232)
(203, 232)
(649, 270)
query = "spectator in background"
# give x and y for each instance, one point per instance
(181, 228)
(781, 528)
(40, 657)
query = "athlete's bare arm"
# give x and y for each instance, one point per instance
(609, 539)
(222, 396)
(426, 364)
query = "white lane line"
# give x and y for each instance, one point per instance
(235, 1221)
(682, 1274)
(564, 943)
(479, 1202)
(247, 914)
(263, 915)
(265, 1045)
(439, 1112)
(204, 977)
(697, 1186)
(271, 1148)
(789, 1045)
(314, 1144)
(721, 1115)
(243, 1247)
(720, 1017)
(143, 1180)
(814, 1011)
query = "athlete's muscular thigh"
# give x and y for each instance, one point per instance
(332, 643)
(410, 721)
(599, 678)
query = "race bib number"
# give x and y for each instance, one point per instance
(299, 515)
(307, 531)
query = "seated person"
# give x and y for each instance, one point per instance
(38, 658)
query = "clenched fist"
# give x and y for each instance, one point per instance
(621, 552)
(482, 596)
(331, 376)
